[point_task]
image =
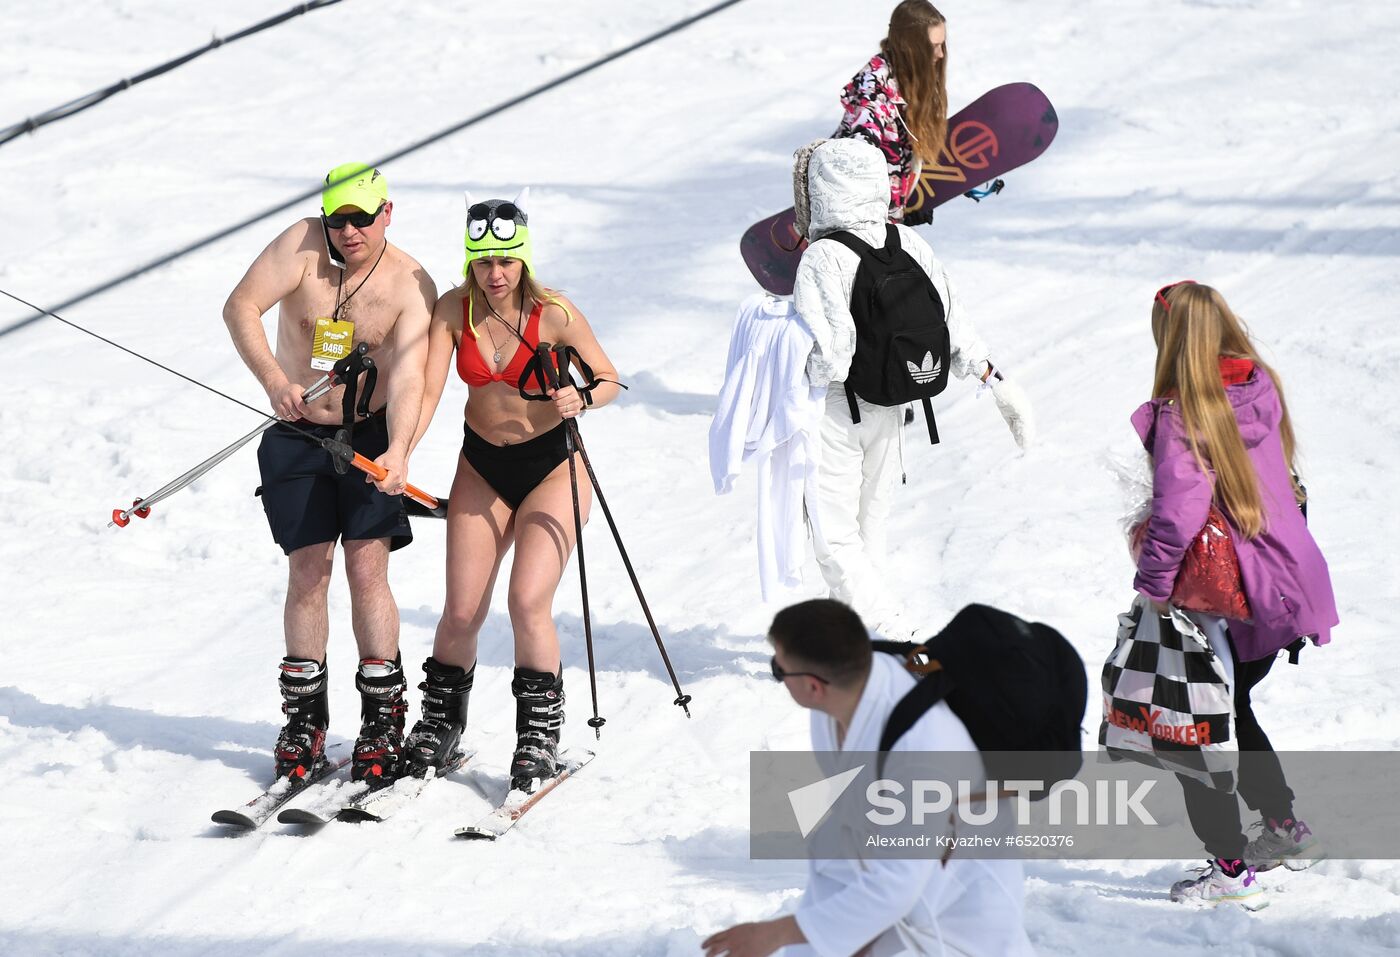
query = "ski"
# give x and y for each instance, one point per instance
(257, 811)
(517, 803)
(380, 804)
(321, 804)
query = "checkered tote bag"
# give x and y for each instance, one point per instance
(1166, 702)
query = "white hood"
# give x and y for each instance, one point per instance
(849, 188)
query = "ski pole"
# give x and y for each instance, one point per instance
(682, 699)
(552, 373)
(141, 508)
(351, 457)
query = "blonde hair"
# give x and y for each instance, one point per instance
(923, 81)
(535, 292)
(1193, 329)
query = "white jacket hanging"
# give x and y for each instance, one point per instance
(769, 413)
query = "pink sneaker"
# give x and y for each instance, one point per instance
(1214, 884)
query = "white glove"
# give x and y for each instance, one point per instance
(1015, 408)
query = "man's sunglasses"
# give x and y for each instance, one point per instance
(1162, 293)
(779, 674)
(358, 219)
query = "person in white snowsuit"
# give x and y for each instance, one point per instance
(949, 906)
(844, 185)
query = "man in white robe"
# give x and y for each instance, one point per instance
(876, 907)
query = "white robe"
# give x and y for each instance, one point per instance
(966, 907)
(769, 414)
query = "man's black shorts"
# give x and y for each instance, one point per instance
(308, 503)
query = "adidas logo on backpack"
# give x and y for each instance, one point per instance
(902, 345)
(926, 373)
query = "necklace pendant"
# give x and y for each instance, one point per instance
(496, 358)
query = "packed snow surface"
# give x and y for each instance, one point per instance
(1251, 145)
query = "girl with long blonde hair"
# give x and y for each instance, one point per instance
(1219, 433)
(899, 100)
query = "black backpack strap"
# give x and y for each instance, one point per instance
(892, 243)
(856, 245)
(899, 649)
(932, 688)
(928, 417)
(861, 249)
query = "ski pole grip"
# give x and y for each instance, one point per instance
(545, 353)
(374, 471)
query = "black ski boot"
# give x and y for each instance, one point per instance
(379, 748)
(301, 747)
(437, 736)
(539, 717)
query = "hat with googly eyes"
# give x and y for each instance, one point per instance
(498, 227)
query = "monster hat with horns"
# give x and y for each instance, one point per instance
(498, 227)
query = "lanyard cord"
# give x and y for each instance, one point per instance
(340, 286)
(513, 330)
(585, 391)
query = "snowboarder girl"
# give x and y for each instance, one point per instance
(899, 100)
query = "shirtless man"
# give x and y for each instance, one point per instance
(337, 274)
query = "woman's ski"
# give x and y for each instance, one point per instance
(517, 803)
(382, 803)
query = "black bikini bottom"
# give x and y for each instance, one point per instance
(515, 470)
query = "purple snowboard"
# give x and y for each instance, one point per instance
(1004, 128)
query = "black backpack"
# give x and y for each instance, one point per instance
(902, 347)
(1016, 685)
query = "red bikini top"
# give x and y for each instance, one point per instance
(473, 368)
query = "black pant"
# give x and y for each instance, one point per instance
(1215, 814)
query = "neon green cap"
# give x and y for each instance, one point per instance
(363, 187)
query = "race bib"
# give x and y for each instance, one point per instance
(332, 341)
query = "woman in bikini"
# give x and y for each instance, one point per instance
(512, 486)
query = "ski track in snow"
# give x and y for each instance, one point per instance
(1250, 145)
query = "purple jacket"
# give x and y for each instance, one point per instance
(1284, 574)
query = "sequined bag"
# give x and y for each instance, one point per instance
(1209, 580)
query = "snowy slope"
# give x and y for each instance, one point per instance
(1252, 145)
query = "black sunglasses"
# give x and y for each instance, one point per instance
(358, 219)
(503, 211)
(779, 674)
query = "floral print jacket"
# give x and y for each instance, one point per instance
(872, 102)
